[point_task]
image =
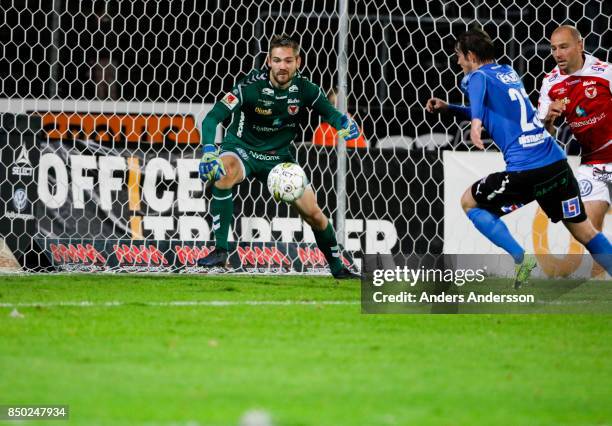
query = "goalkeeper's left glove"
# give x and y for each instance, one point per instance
(211, 166)
(349, 129)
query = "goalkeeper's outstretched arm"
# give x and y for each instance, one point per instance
(209, 125)
(211, 167)
(347, 128)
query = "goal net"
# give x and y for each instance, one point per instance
(102, 102)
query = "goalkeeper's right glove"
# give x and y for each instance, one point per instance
(211, 166)
(349, 128)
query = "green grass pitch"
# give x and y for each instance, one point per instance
(297, 348)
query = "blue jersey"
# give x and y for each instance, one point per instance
(498, 98)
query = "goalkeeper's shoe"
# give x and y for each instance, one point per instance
(346, 274)
(523, 270)
(218, 257)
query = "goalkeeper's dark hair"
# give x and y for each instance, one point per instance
(284, 40)
(478, 42)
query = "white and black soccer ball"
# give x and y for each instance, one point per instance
(287, 182)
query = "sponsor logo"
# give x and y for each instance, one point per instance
(141, 255)
(590, 92)
(262, 111)
(268, 256)
(482, 181)
(24, 167)
(79, 253)
(23, 157)
(146, 268)
(263, 156)
(242, 153)
(240, 125)
(293, 88)
(508, 77)
(586, 187)
(13, 215)
(589, 82)
(553, 77)
(281, 97)
(22, 171)
(560, 91)
(598, 68)
(542, 189)
(77, 267)
(572, 82)
(511, 208)
(293, 109)
(230, 100)
(592, 120)
(533, 140)
(571, 208)
(265, 102)
(186, 255)
(264, 129)
(293, 101)
(20, 199)
(266, 91)
(311, 256)
(602, 175)
(580, 112)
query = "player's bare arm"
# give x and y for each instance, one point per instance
(475, 133)
(555, 110)
(436, 105)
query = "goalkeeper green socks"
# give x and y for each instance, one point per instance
(222, 209)
(326, 240)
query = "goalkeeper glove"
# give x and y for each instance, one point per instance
(349, 128)
(211, 166)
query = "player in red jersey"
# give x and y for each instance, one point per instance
(579, 89)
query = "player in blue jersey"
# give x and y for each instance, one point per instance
(536, 168)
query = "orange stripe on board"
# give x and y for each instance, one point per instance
(136, 227)
(552, 266)
(134, 183)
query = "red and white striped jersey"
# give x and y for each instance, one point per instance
(587, 95)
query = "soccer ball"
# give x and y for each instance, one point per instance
(287, 182)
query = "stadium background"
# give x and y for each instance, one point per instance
(173, 59)
(191, 350)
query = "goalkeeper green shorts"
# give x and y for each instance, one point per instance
(255, 163)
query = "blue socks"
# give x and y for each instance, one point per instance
(496, 231)
(601, 249)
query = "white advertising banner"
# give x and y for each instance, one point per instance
(529, 224)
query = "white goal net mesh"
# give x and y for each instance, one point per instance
(102, 103)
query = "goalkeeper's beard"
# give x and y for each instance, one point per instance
(281, 79)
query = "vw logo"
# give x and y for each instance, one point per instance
(20, 199)
(586, 187)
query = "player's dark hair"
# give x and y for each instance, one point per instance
(283, 40)
(478, 42)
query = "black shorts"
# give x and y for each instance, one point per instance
(553, 186)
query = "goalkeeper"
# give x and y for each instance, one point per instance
(266, 107)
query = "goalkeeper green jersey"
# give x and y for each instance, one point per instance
(264, 118)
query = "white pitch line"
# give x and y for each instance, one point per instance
(110, 304)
